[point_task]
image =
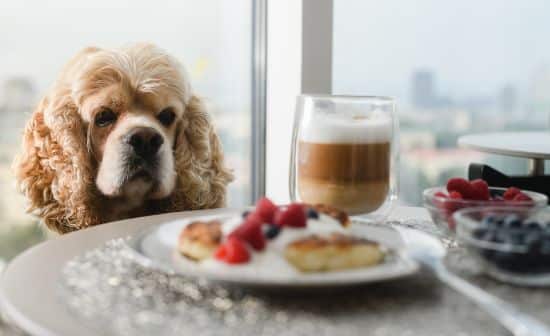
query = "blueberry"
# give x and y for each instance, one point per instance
(272, 231)
(245, 214)
(488, 220)
(499, 222)
(513, 236)
(312, 213)
(533, 226)
(512, 222)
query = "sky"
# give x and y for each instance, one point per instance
(474, 47)
(211, 37)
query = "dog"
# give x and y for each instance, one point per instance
(120, 135)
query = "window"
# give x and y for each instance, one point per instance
(455, 67)
(213, 38)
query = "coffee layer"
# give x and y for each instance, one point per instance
(355, 198)
(344, 162)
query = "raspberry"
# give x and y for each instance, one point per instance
(521, 197)
(250, 231)
(480, 190)
(441, 194)
(236, 252)
(221, 252)
(449, 205)
(440, 199)
(266, 209)
(455, 195)
(460, 185)
(293, 216)
(510, 193)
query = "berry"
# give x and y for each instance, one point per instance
(250, 231)
(533, 226)
(221, 252)
(312, 213)
(521, 197)
(460, 185)
(489, 221)
(266, 209)
(441, 194)
(455, 195)
(512, 222)
(293, 216)
(480, 190)
(510, 193)
(449, 205)
(235, 251)
(271, 231)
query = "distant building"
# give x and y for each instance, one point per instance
(507, 100)
(17, 98)
(423, 89)
(540, 93)
(17, 94)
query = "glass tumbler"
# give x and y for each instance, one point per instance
(345, 154)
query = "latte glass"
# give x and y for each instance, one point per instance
(344, 154)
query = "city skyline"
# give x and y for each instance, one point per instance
(474, 47)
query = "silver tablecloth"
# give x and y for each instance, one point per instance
(109, 292)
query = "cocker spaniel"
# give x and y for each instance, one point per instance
(120, 135)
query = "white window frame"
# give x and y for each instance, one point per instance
(299, 60)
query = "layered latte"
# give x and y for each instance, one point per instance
(345, 162)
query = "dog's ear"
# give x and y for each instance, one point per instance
(201, 174)
(54, 167)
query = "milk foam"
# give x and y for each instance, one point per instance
(347, 128)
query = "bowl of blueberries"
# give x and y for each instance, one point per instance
(511, 243)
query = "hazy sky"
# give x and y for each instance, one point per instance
(474, 46)
(211, 37)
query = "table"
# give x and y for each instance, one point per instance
(415, 305)
(534, 146)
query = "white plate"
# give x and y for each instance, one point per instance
(157, 249)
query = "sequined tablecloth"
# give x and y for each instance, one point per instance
(108, 292)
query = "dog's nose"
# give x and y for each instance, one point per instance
(145, 141)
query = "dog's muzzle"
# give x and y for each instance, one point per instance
(143, 148)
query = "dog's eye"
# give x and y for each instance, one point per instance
(166, 116)
(105, 117)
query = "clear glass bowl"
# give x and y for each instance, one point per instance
(441, 209)
(504, 261)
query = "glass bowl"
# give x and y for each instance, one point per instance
(441, 209)
(506, 251)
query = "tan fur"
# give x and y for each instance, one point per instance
(57, 169)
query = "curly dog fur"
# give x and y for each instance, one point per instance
(57, 168)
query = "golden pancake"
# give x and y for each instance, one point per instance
(199, 240)
(335, 251)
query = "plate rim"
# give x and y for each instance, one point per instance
(408, 265)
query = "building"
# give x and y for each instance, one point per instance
(423, 89)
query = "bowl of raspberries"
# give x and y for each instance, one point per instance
(459, 193)
(512, 244)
